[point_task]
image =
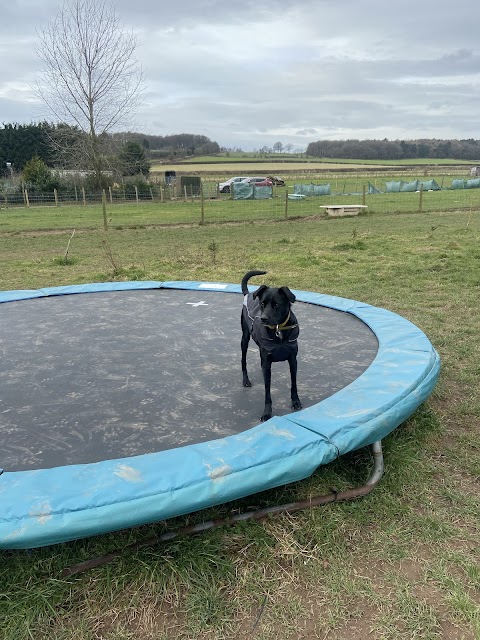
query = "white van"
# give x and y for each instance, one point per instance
(224, 187)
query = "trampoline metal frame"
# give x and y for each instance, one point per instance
(259, 514)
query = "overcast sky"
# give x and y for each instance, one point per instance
(249, 74)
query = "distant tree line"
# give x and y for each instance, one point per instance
(395, 149)
(20, 142)
(37, 147)
(28, 153)
(173, 146)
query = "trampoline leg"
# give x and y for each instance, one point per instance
(260, 514)
(378, 465)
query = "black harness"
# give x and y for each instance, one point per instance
(279, 341)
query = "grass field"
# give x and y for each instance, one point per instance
(312, 170)
(401, 563)
(243, 157)
(251, 167)
(219, 208)
(272, 167)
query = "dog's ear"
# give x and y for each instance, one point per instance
(260, 291)
(289, 295)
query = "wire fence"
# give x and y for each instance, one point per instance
(151, 193)
(166, 206)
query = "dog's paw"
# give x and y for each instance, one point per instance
(265, 417)
(296, 404)
(247, 383)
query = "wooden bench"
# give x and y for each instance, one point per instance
(337, 210)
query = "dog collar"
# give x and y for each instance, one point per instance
(282, 327)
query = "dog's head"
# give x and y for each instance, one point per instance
(274, 303)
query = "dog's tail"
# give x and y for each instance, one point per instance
(247, 277)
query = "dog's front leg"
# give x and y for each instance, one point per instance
(292, 362)
(245, 341)
(267, 378)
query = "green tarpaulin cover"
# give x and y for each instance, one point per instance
(474, 183)
(251, 192)
(429, 185)
(312, 189)
(410, 186)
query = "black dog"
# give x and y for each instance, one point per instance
(268, 318)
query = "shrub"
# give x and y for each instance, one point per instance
(38, 177)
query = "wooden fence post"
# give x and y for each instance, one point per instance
(104, 207)
(420, 200)
(202, 206)
(83, 197)
(111, 194)
(286, 204)
(55, 195)
(27, 201)
(363, 195)
(136, 194)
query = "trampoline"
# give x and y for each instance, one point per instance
(122, 404)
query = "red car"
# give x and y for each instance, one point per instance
(259, 182)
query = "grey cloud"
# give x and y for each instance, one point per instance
(251, 74)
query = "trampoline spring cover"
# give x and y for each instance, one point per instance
(46, 506)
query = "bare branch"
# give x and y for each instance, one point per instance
(90, 77)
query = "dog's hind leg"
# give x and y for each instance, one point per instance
(245, 341)
(292, 362)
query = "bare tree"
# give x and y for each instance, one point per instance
(90, 77)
